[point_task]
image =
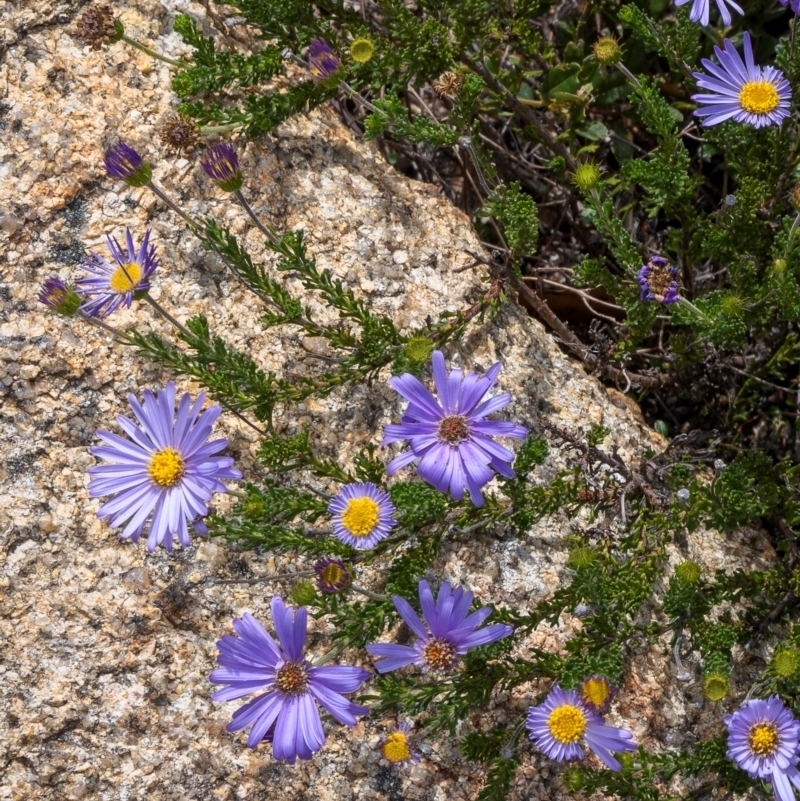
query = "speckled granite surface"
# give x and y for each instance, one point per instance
(106, 650)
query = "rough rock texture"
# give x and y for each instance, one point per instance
(106, 649)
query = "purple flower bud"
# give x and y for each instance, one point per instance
(221, 165)
(332, 576)
(658, 280)
(322, 60)
(123, 162)
(61, 298)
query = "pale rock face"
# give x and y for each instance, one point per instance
(107, 649)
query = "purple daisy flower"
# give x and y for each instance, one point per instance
(701, 9)
(322, 61)
(658, 280)
(332, 576)
(286, 714)
(396, 746)
(743, 92)
(451, 436)
(452, 631)
(63, 299)
(221, 164)
(113, 285)
(362, 515)
(165, 473)
(123, 162)
(563, 720)
(597, 693)
(763, 739)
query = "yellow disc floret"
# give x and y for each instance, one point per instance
(759, 97)
(595, 692)
(166, 467)
(360, 517)
(763, 739)
(362, 50)
(126, 277)
(396, 747)
(567, 723)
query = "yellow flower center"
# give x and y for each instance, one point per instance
(763, 739)
(126, 277)
(567, 723)
(396, 748)
(362, 50)
(292, 678)
(453, 429)
(595, 692)
(759, 97)
(166, 467)
(360, 517)
(439, 654)
(332, 575)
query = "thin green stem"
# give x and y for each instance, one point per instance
(269, 232)
(145, 49)
(687, 304)
(208, 130)
(167, 316)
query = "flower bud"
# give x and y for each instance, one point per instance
(786, 662)
(123, 162)
(688, 572)
(418, 349)
(303, 593)
(61, 298)
(587, 176)
(221, 165)
(715, 686)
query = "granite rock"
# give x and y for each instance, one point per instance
(107, 649)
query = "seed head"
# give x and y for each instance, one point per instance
(179, 135)
(448, 84)
(587, 176)
(786, 662)
(304, 593)
(362, 50)
(688, 572)
(607, 50)
(97, 26)
(418, 349)
(716, 686)
(581, 557)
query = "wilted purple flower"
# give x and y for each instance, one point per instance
(322, 61)
(743, 92)
(451, 436)
(763, 739)
(596, 693)
(563, 721)
(450, 631)
(658, 280)
(332, 576)
(286, 714)
(396, 746)
(165, 473)
(61, 298)
(701, 9)
(123, 162)
(114, 285)
(362, 515)
(221, 164)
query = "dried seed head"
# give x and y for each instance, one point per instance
(98, 27)
(448, 84)
(179, 135)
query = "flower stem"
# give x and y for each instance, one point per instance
(207, 130)
(145, 49)
(269, 232)
(167, 316)
(687, 304)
